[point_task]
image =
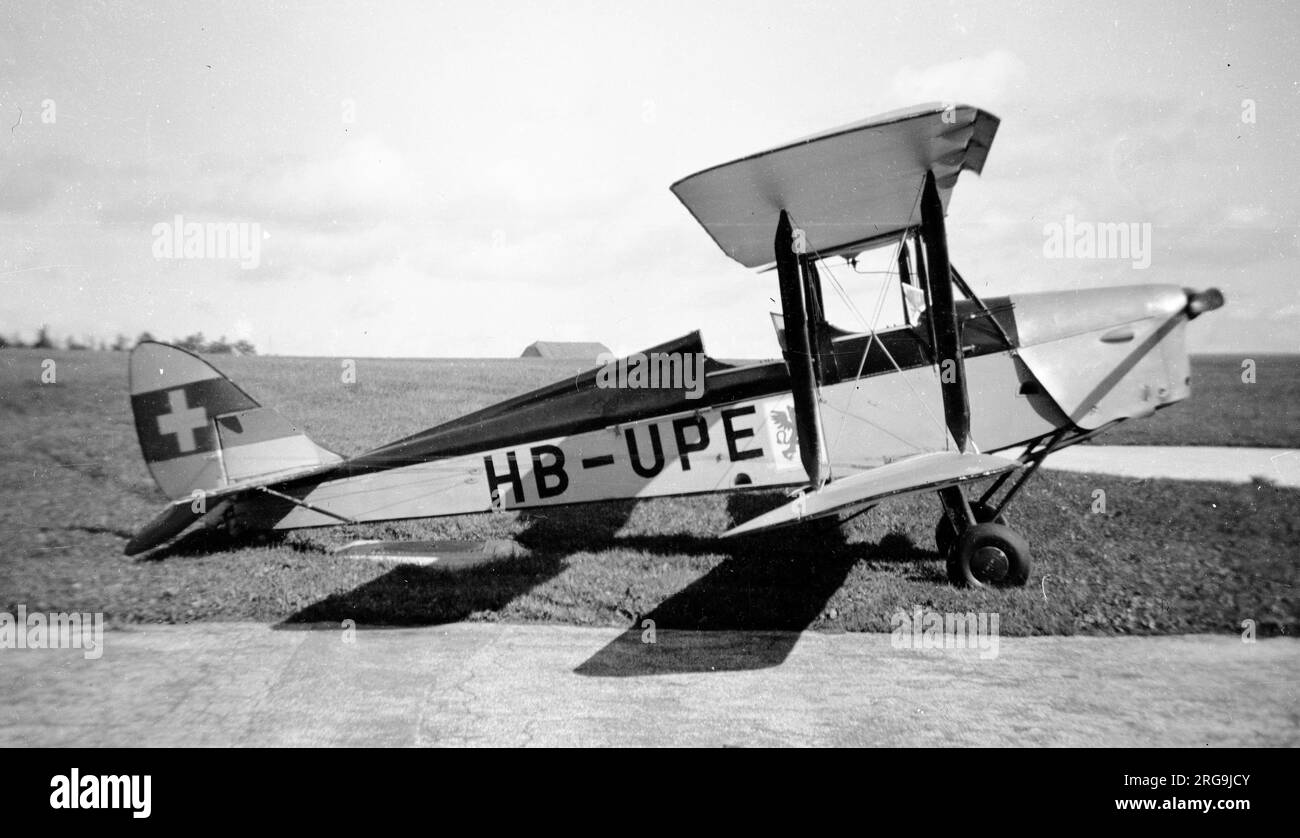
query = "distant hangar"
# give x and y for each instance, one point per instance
(565, 350)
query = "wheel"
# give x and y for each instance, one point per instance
(989, 554)
(945, 536)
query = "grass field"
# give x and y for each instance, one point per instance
(1162, 558)
(1224, 409)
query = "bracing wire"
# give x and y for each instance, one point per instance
(871, 326)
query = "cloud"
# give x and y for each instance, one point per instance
(364, 178)
(25, 189)
(33, 181)
(1245, 216)
(362, 183)
(984, 81)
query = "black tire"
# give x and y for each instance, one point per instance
(945, 535)
(990, 555)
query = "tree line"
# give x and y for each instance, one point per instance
(194, 343)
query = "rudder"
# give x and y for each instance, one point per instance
(199, 431)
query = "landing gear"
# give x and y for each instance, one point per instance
(980, 548)
(974, 537)
(989, 554)
(945, 534)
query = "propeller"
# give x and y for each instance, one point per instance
(1199, 302)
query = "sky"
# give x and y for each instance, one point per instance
(461, 179)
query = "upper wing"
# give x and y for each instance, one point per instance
(924, 472)
(845, 187)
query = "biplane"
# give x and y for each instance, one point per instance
(963, 390)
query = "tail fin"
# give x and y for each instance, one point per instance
(200, 432)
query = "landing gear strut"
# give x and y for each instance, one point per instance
(981, 550)
(945, 534)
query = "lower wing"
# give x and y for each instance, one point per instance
(921, 473)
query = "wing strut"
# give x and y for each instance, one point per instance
(951, 360)
(790, 270)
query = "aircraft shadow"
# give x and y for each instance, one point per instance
(746, 613)
(411, 595)
(205, 541)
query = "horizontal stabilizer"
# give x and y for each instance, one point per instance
(171, 522)
(924, 472)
